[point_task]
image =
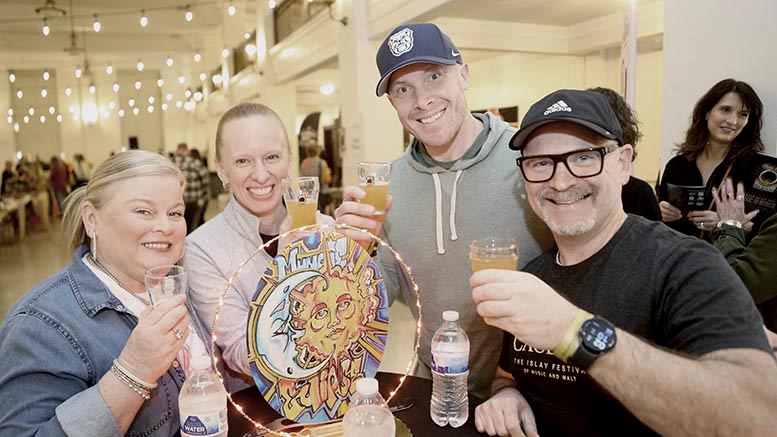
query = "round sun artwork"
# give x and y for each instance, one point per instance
(318, 322)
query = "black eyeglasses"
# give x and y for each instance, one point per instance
(584, 163)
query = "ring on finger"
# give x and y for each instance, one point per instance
(177, 332)
(740, 197)
(701, 225)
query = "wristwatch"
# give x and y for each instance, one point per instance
(729, 223)
(597, 337)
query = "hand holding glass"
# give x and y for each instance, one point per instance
(493, 253)
(164, 282)
(301, 196)
(374, 179)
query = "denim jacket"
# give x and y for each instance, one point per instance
(56, 343)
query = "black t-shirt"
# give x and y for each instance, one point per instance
(639, 199)
(673, 291)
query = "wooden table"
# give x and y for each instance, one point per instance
(416, 418)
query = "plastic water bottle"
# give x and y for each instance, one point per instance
(368, 415)
(450, 369)
(203, 399)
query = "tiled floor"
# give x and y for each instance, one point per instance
(25, 263)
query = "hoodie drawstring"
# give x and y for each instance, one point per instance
(438, 211)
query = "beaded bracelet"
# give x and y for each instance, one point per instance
(137, 385)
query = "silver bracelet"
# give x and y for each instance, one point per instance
(145, 394)
(146, 385)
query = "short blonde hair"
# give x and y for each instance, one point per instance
(244, 110)
(119, 167)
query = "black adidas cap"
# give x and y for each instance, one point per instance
(586, 108)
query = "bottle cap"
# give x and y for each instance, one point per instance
(450, 316)
(367, 386)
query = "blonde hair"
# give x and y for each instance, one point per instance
(119, 167)
(244, 110)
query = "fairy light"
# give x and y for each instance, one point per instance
(141, 65)
(170, 61)
(261, 248)
(46, 75)
(197, 57)
(189, 15)
(138, 84)
(68, 91)
(78, 72)
(97, 26)
(115, 87)
(143, 18)
(46, 28)
(44, 92)
(160, 83)
(11, 77)
(109, 69)
(231, 9)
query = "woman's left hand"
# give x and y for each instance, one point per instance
(731, 206)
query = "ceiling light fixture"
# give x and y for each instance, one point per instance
(46, 75)
(231, 9)
(141, 65)
(46, 28)
(170, 61)
(143, 18)
(197, 57)
(189, 15)
(97, 26)
(109, 69)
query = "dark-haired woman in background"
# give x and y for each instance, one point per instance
(725, 133)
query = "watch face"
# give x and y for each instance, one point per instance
(597, 335)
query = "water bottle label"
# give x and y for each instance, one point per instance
(450, 365)
(204, 424)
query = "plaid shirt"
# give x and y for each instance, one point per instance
(197, 178)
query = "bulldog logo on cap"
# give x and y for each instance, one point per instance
(401, 42)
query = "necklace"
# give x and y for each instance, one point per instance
(110, 275)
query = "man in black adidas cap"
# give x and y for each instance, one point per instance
(454, 184)
(628, 328)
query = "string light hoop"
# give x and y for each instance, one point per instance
(397, 257)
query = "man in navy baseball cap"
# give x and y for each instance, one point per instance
(446, 181)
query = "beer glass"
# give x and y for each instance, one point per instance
(301, 196)
(493, 253)
(374, 179)
(164, 282)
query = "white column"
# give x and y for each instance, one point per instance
(372, 130)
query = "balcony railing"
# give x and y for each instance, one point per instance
(293, 14)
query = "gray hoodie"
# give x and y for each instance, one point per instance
(436, 214)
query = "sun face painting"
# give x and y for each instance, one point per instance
(318, 322)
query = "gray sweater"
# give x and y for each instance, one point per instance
(436, 214)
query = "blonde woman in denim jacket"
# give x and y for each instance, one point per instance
(84, 354)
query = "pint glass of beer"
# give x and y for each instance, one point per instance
(301, 196)
(493, 253)
(374, 179)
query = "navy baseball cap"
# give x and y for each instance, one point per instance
(410, 44)
(586, 108)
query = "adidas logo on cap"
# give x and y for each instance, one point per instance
(558, 107)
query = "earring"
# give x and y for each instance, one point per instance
(94, 245)
(225, 185)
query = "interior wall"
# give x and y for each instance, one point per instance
(706, 41)
(522, 79)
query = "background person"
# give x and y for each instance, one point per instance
(197, 185)
(725, 132)
(83, 352)
(637, 195)
(629, 328)
(755, 262)
(454, 184)
(315, 166)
